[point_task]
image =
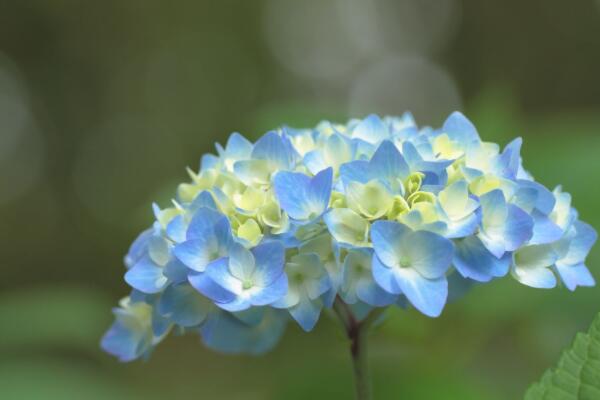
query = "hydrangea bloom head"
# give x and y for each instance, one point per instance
(374, 213)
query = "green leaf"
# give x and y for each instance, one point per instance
(577, 375)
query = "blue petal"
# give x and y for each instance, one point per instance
(124, 343)
(505, 226)
(146, 276)
(184, 305)
(218, 271)
(205, 285)
(241, 262)
(252, 316)
(460, 129)
(176, 229)
(293, 157)
(386, 236)
(585, 237)
(435, 171)
(160, 325)
(429, 253)
(495, 246)
(306, 313)
(302, 197)
(203, 223)
(225, 333)
(473, 260)
(544, 201)
(314, 161)
(369, 292)
(510, 159)
(203, 199)
(470, 174)
(574, 275)
(222, 232)
(237, 304)
(319, 191)
(544, 230)
(493, 206)
(384, 277)
(253, 171)
(208, 161)
(355, 171)
(290, 189)
(387, 163)
(138, 248)
(539, 278)
(238, 147)
(272, 293)
(525, 197)
(410, 153)
(426, 295)
(271, 147)
(371, 130)
(464, 227)
(320, 287)
(176, 271)
(196, 253)
(518, 228)
(269, 262)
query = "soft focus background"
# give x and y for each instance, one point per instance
(104, 104)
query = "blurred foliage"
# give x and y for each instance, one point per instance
(577, 375)
(122, 96)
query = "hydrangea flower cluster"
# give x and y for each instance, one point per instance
(374, 213)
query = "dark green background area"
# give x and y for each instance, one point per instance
(123, 95)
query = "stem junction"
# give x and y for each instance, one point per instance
(358, 331)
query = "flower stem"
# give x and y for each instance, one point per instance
(358, 350)
(358, 332)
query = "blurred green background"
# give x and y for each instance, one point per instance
(103, 105)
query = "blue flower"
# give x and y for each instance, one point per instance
(474, 261)
(147, 274)
(184, 306)
(302, 197)
(308, 281)
(413, 263)
(459, 210)
(335, 151)
(386, 165)
(373, 213)
(131, 335)
(237, 148)
(208, 238)
(531, 266)
(271, 153)
(571, 253)
(371, 130)
(358, 284)
(231, 333)
(246, 278)
(504, 226)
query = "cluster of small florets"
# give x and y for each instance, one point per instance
(374, 213)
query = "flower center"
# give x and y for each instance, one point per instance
(404, 262)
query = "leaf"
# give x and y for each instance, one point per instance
(577, 375)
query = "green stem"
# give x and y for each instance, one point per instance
(358, 350)
(358, 332)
